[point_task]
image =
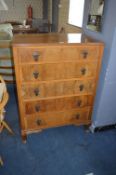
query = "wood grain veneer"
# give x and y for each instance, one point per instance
(56, 76)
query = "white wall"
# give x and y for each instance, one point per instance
(63, 18)
(105, 104)
(18, 12)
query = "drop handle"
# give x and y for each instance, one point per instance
(36, 92)
(77, 116)
(36, 75)
(83, 71)
(36, 55)
(79, 102)
(85, 54)
(81, 87)
(39, 122)
(37, 108)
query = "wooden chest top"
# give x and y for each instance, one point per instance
(53, 38)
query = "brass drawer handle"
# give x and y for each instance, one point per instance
(83, 71)
(81, 87)
(36, 92)
(77, 116)
(36, 75)
(37, 108)
(39, 122)
(85, 54)
(79, 103)
(36, 55)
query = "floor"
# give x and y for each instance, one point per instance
(65, 150)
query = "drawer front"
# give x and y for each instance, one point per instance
(60, 104)
(44, 72)
(54, 89)
(57, 53)
(46, 120)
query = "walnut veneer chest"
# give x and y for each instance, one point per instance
(56, 77)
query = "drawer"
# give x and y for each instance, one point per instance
(55, 89)
(60, 104)
(56, 71)
(46, 120)
(57, 53)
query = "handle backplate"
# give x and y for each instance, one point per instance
(36, 92)
(85, 54)
(36, 74)
(36, 55)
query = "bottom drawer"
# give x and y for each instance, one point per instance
(47, 120)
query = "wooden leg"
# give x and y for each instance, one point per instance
(86, 128)
(24, 137)
(7, 127)
(1, 128)
(1, 162)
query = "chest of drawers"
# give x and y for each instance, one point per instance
(56, 79)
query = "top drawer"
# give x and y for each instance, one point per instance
(57, 53)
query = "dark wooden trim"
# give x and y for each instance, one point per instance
(6, 58)
(7, 74)
(6, 67)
